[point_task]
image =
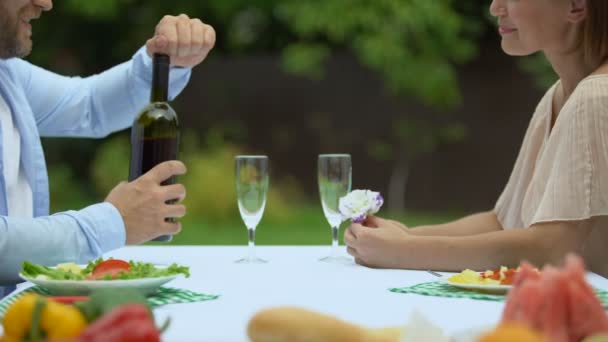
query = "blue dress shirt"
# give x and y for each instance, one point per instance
(44, 104)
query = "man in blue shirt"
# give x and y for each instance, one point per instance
(35, 102)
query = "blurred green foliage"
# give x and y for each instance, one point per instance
(66, 191)
(211, 195)
(417, 137)
(111, 164)
(411, 138)
(307, 226)
(414, 45)
(539, 67)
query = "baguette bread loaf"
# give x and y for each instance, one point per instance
(292, 324)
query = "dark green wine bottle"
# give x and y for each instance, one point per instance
(155, 131)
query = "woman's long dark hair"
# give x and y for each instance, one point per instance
(595, 31)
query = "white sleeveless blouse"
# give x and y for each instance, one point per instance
(561, 174)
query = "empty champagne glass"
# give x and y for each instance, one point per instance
(335, 177)
(251, 189)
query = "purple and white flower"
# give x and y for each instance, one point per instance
(358, 204)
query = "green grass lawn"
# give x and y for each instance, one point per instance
(307, 227)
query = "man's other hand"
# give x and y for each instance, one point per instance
(187, 41)
(142, 203)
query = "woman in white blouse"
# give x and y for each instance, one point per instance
(556, 200)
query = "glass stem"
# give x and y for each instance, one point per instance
(334, 240)
(251, 243)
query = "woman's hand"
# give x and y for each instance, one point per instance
(377, 242)
(187, 41)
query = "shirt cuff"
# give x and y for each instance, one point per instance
(178, 77)
(109, 226)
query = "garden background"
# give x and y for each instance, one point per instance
(417, 91)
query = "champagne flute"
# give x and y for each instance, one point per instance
(335, 177)
(251, 190)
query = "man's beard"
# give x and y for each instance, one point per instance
(10, 46)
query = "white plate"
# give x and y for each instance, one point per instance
(489, 288)
(84, 287)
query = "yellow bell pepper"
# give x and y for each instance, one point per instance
(7, 339)
(61, 320)
(56, 320)
(17, 321)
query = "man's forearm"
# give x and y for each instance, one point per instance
(97, 105)
(77, 236)
(480, 223)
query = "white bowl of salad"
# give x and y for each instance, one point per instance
(73, 279)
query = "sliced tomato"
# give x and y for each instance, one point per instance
(509, 275)
(111, 267)
(495, 275)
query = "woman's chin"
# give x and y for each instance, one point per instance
(516, 51)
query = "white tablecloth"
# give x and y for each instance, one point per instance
(293, 276)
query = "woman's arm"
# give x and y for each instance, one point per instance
(387, 247)
(470, 225)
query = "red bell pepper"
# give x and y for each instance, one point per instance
(126, 323)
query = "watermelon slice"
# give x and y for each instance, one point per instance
(557, 302)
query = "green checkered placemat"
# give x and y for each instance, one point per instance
(164, 296)
(171, 295)
(438, 289)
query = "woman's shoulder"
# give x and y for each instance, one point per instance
(589, 101)
(592, 87)
(590, 98)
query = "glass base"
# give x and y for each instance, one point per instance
(248, 260)
(337, 259)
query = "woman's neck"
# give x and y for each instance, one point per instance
(571, 69)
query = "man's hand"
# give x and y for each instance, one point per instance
(187, 41)
(141, 203)
(377, 243)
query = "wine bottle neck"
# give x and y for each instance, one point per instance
(160, 78)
